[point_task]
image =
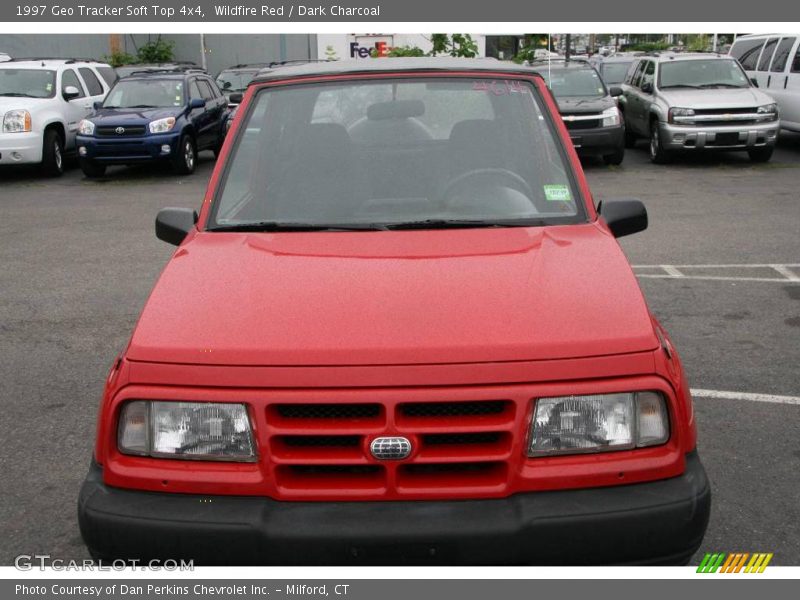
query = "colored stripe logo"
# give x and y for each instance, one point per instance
(737, 562)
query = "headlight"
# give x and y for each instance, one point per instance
(680, 112)
(16, 121)
(86, 127)
(769, 111)
(611, 117)
(162, 125)
(188, 430)
(598, 423)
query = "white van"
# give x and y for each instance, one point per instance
(774, 62)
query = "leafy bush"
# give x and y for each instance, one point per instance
(156, 51)
(117, 59)
(460, 44)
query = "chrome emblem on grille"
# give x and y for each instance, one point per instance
(390, 448)
(120, 130)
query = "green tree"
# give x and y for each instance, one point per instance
(460, 44)
(117, 59)
(156, 51)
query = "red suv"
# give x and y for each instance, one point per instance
(399, 331)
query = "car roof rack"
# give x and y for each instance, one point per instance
(259, 65)
(66, 61)
(176, 71)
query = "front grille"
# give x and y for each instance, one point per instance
(587, 124)
(128, 131)
(453, 409)
(322, 450)
(328, 411)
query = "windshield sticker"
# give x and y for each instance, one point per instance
(49, 87)
(499, 88)
(557, 193)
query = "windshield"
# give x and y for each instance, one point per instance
(712, 73)
(145, 93)
(234, 81)
(401, 153)
(27, 83)
(614, 73)
(574, 82)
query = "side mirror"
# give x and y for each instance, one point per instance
(71, 92)
(647, 88)
(235, 98)
(197, 103)
(174, 224)
(754, 81)
(615, 91)
(624, 217)
(98, 104)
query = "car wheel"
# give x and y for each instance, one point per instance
(761, 154)
(615, 158)
(657, 152)
(52, 154)
(91, 169)
(185, 159)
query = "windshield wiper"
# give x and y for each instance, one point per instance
(137, 106)
(463, 224)
(680, 85)
(267, 226)
(17, 95)
(725, 85)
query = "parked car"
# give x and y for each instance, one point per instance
(588, 108)
(695, 102)
(41, 103)
(185, 65)
(399, 330)
(235, 79)
(154, 116)
(613, 69)
(773, 61)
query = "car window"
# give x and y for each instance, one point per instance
(637, 74)
(235, 81)
(109, 74)
(702, 73)
(573, 82)
(386, 152)
(747, 52)
(766, 54)
(205, 89)
(27, 83)
(194, 90)
(614, 73)
(796, 61)
(648, 76)
(145, 93)
(782, 55)
(69, 78)
(92, 82)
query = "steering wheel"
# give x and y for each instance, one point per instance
(488, 177)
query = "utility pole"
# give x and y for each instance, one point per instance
(203, 62)
(567, 48)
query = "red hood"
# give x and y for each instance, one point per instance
(404, 297)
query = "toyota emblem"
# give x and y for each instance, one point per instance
(390, 448)
(120, 130)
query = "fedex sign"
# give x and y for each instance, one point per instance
(381, 49)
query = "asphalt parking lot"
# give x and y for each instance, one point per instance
(79, 257)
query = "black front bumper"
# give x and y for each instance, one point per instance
(662, 522)
(598, 141)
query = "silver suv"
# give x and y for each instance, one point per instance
(42, 101)
(694, 102)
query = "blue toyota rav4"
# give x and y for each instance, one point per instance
(154, 116)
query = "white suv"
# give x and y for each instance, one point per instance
(42, 101)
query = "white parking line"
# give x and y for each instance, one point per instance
(784, 270)
(771, 398)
